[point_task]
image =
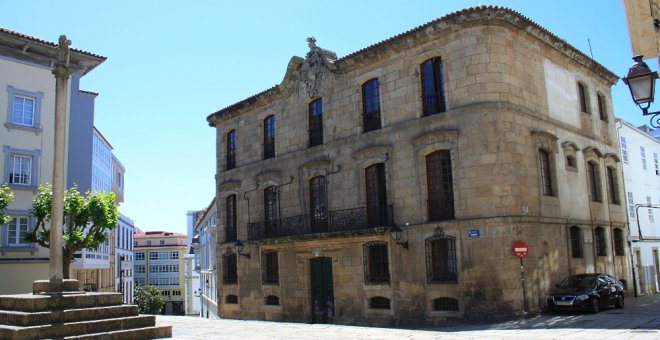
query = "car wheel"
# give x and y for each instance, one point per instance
(619, 303)
(595, 306)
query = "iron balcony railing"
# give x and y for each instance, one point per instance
(322, 222)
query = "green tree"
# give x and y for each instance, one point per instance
(6, 197)
(149, 299)
(88, 221)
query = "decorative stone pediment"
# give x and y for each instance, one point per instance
(592, 151)
(613, 157)
(230, 185)
(372, 154)
(269, 175)
(317, 65)
(545, 140)
(447, 137)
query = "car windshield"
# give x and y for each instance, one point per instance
(577, 282)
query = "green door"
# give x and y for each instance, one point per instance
(323, 300)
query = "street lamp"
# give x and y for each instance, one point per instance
(239, 249)
(395, 232)
(641, 82)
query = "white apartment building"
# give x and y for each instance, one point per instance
(640, 156)
(204, 245)
(27, 109)
(124, 257)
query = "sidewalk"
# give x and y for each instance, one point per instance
(640, 319)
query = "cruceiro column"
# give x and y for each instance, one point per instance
(62, 73)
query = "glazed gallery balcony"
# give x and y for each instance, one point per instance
(322, 222)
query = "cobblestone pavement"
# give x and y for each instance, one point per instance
(640, 319)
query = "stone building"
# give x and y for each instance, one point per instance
(388, 186)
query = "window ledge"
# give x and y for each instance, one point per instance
(35, 129)
(32, 248)
(15, 186)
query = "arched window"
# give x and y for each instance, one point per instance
(269, 137)
(441, 264)
(318, 205)
(602, 107)
(433, 88)
(576, 242)
(612, 186)
(600, 241)
(376, 263)
(618, 242)
(445, 304)
(379, 302)
(315, 123)
(440, 186)
(370, 105)
(231, 150)
(547, 186)
(582, 97)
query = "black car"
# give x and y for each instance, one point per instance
(588, 292)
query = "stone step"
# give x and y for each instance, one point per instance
(40, 303)
(14, 318)
(153, 332)
(77, 328)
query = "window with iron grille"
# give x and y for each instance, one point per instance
(272, 300)
(230, 215)
(230, 269)
(269, 137)
(315, 123)
(618, 242)
(445, 304)
(576, 242)
(270, 210)
(602, 112)
(318, 204)
(371, 105)
(379, 302)
(231, 150)
(546, 173)
(433, 92)
(612, 186)
(376, 263)
(594, 182)
(601, 242)
(631, 205)
(270, 268)
(231, 299)
(440, 186)
(376, 195)
(582, 96)
(441, 264)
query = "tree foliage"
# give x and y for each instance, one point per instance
(6, 197)
(88, 220)
(149, 299)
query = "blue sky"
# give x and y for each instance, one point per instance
(172, 63)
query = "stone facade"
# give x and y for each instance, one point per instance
(510, 89)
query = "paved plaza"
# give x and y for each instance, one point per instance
(640, 319)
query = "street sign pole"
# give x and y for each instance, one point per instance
(520, 250)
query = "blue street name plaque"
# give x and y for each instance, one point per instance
(473, 233)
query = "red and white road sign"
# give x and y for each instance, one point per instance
(520, 249)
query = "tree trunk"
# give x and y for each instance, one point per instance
(66, 263)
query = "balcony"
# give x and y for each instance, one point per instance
(322, 222)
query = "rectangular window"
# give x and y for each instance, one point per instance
(315, 123)
(376, 263)
(230, 213)
(230, 269)
(17, 228)
(582, 93)
(440, 186)
(270, 268)
(643, 154)
(270, 210)
(624, 150)
(20, 170)
(594, 182)
(576, 242)
(655, 162)
(153, 255)
(371, 105)
(269, 137)
(650, 210)
(139, 256)
(631, 205)
(601, 243)
(441, 260)
(23, 113)
(612, 186)
(318, 204)
(433, 92)
(601, 107)
(231, 150)
(377, 210)
(546, 173)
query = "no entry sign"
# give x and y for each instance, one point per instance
(520, 249)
